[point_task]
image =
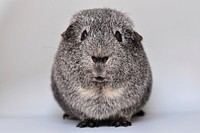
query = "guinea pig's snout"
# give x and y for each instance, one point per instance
(99, 66)
(99, 73)
(99, 59)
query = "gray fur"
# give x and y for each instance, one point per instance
(127, 69)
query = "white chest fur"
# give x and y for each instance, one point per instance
(106, 91)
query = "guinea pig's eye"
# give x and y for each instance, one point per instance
(84, 35)
(118, 36)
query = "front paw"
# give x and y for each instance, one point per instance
(88, 123)
(140, 113)
(65, 116)
(120, 122)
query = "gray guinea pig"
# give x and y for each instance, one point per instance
(101, 72)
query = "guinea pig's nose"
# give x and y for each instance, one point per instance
(99, 59)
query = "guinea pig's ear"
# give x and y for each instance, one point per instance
(69, 33)
(63, 34)
(137, 37)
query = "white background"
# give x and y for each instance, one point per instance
(30, 34)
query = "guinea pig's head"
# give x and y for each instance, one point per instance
(102, 44)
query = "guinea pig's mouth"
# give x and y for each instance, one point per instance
(99, 79)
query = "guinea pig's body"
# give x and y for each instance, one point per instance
(101, 71)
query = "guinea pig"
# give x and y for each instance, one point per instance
(101, 71)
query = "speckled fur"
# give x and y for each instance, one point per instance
(127, 70)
